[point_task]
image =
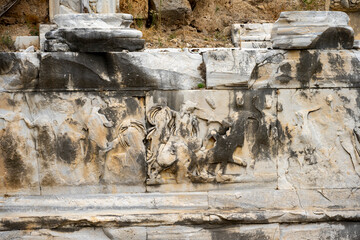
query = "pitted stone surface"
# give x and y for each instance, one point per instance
(211, 137)
(312, 30)
(320, 139)
(73, 143)
(127, 145)
(256, 69)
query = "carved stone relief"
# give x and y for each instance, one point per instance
(83, 143)
(18, 166)
(320, 139)
(211, 137)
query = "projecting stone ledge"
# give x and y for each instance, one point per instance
(312, 30)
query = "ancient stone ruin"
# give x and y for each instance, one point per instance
(103, 139)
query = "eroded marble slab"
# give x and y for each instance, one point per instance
(72, 142)
(320, 139)
(19, 172)
(120, 71)
(207, 137)
(257, 69)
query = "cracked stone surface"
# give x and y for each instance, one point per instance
(211, 137)
(174, 144)
(320, 142)
(72, 143)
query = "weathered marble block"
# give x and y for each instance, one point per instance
(251, 35)
(206, 137)
(19, 172)
(117, 71)
(114, 20)
(312, 30)
(93, 33)
(256, 69)
(72, 143)
(319, 139)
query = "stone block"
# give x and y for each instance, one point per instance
(74, 143)
(312, 30)
(116, 71)
(19, 70)
(94, 40)
(253, 32)
(256, 69)
(319, 135)
(23, 42)
(201, 138)
(93, 33)
(172, 11)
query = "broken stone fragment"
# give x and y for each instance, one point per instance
(312, 30)
(172, 10)
(252, 35)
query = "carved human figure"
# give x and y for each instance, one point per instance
(163, 122)
(126, 153)
(172, 139)
(231, 136)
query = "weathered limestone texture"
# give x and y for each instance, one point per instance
(115, 71)
(252, 35)
(311, 29)
(179, 143)
(211, 137)
(255, 69)
(320, 131)
(93, 33)
(87, 143)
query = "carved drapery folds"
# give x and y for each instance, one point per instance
(202, 142)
